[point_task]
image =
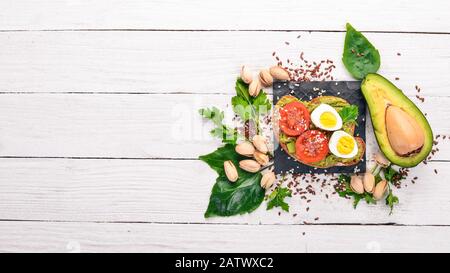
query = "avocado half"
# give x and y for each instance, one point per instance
(381, 93)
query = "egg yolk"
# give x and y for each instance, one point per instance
(345, 145)
(328, 119)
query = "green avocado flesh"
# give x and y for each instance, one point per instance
(379, 93)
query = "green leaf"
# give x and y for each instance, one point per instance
(215, 159)
(360, 57)
(356, 199)
(344, 178)
(349, 113)
(369, 198)
(391, 200)
(241, 107)
(261, 104)
(227, 134)
(213, 114)
(392, 175)
(242, 89)
(247, 107)
(244, 195)
(276, 198)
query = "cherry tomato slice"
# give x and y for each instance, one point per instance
(294, 118)
(311, 146)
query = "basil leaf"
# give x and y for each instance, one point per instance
(227, 199)
(360, 57)
(349, 113)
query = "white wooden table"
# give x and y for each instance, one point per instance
(90, 159)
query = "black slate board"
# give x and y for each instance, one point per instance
(348, 90)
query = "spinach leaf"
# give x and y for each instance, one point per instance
(360, 57)
(277, 198)
(227, 134)
(244, 195)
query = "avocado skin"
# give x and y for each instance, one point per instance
(377, 91)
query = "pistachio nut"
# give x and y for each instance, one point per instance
(249, 165)
(230, 171)
(265, 78)
(260, 144)
(245, 148)
(254, 88)
(369, 182)
(356, 184)
(246, 74)
(381, 160)
(267, 180)
(380, 189)
(279, 73)
(261, 158)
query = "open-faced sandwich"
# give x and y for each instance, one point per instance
(320, 132)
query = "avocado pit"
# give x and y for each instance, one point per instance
(405, 135)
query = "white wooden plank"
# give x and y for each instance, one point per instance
(131, 126)
(232, 14)
(178, 192)
(104, 237)
(198, 62)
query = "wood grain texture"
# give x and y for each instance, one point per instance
(103, 237)
(168, 191)
(225, 15)
(198, 62)
(132, 126)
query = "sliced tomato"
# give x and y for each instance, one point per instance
(294, 118)
(311, 146)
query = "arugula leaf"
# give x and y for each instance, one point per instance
(392, 175)
(277, 198)
(227, 134)
(349, 113)
(369, 199)
(389, 173)
(356, 199)
(243, 196)
(391, 200)
(248, 107)
(360, 57)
